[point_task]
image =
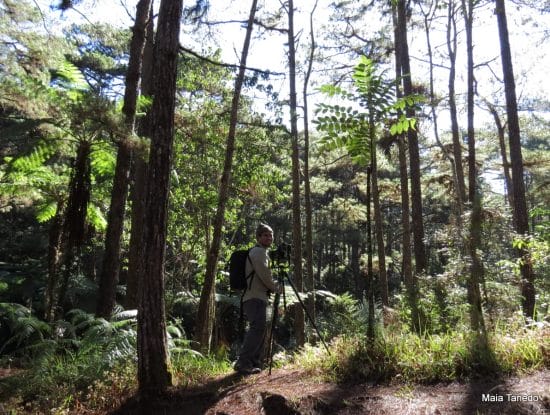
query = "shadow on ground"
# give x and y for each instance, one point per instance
(178, 400)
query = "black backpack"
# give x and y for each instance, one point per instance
(238, 280)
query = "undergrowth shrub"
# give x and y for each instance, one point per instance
(90, 362)
(77, 353)
(341, 315)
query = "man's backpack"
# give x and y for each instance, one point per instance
(238, 280)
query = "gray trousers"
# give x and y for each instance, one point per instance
(254, 339)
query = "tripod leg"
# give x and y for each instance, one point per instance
(275, 315)
(307, 313)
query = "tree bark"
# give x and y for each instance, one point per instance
(153, 360)
(521, 219)
(115, 224)
(206, 313)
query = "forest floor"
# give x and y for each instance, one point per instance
(293, 391)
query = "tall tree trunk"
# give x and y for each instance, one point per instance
(411, 280)
(136, 254)
(382, 272)
(414, 155)
(299, 323)
(153, 361)
(457, 145)
(474, 196)
(521, 221)
(74, 229)
(359, 282)
(370, 276)
(111, 260)
(309, 280)
(55, 256)
(206, 313)
(459, 187)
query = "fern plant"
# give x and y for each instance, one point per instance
(371, 107)
(23, 335)
(41, 175)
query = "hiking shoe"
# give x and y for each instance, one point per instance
(250, 370)
(247, 370)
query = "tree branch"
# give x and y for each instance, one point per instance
(226, 65)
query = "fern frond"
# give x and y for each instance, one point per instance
(46, 211)
(35, 159)
(71, 76)
(103, 161)
(25, 329)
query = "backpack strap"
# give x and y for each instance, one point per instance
(252, 273)
(241, 313)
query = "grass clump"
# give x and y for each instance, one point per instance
(191, 368)
(408, 357)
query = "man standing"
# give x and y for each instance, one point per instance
(255, 302)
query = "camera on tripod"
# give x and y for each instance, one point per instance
(281, 253)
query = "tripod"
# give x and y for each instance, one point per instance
(282, 274)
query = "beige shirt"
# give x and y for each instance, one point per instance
(262, 281)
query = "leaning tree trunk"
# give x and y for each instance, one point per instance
(521, 221)
(414, 155)
(153, 361)
(115, 225)
(206, 313)
(474, 195)
(299, 322)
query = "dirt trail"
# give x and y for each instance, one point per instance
(295, 392)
